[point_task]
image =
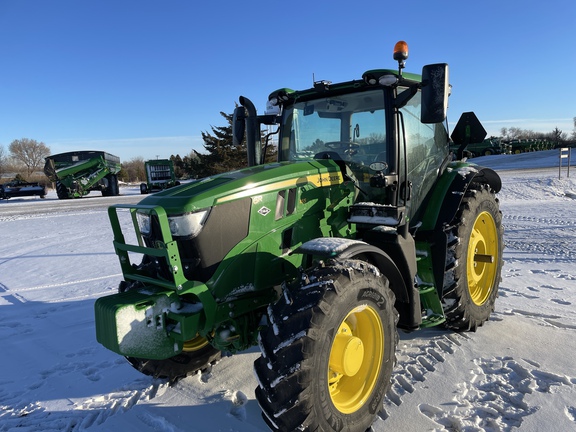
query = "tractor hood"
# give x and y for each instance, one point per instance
(243, 183)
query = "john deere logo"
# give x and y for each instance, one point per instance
(264, 211)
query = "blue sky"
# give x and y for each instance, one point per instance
(141, 78)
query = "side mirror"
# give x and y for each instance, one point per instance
(435, 92)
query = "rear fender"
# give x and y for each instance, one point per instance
(449, 192)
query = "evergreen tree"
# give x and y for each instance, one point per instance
(178, 165)
(189, 164)
(222, 155)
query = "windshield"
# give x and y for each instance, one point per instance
(350, 127)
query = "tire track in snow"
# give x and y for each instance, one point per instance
(415, 360)
(22, 410)
(494, 398)
(33, 417)
(549, 237)
(559, 309)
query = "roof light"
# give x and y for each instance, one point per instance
(388, 80)
(382, 77)
(401, 51)
(401, 54)
(370, 80)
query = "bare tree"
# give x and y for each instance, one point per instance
(29, 152)
(133, 170)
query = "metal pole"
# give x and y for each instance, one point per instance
(563, 156)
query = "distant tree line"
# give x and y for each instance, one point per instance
(557, 135)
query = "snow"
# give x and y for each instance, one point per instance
(517, 372)
(327, 245)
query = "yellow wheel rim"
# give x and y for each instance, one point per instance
(194, 344)
(483, 258)
(355, 359)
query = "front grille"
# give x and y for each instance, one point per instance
(225, 227)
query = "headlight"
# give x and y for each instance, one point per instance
(143, 222)
(187, 225)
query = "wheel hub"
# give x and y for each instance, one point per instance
(355, 359)
(347, 354)
(482, 258)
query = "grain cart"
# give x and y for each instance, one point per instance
(159, 176)
(363, 225)
(77, 173)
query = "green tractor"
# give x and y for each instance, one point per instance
(159, 176)
(365, 224)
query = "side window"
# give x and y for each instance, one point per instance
(426, 148)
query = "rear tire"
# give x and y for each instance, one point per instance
(61, 191)
(474, 261)
(328, 353)
(111, 185)
(114, 188)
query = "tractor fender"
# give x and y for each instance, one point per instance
(343, 248)
(450, 190)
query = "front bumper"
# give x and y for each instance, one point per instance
(145, 325)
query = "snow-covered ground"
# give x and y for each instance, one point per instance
(517, 372)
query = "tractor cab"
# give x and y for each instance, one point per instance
(386, 132)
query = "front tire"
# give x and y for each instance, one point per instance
(474, 261)
(198, 354)
(328, 353)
